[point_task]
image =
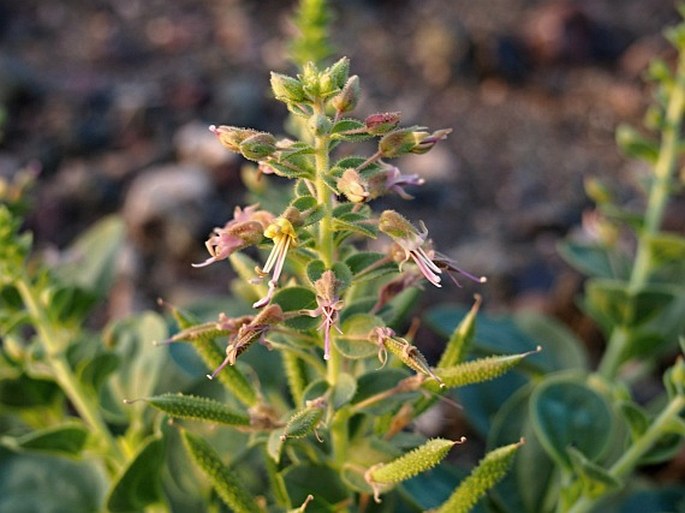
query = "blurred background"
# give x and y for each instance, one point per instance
(111, 100)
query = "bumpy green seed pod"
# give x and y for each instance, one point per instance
(411, 357)
(304, 421)
(489, 471)
(382, 476)
(226, 483)
(212, 356)
(460, 340)
(198, 408)
(483, 369)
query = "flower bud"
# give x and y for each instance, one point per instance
(310, 80)
(319, 124)
(353, 186)
(425, 142)
(382, 123)
(409, 140)
(396, 143)
(287, 89)
(231, 136)
(396, 226)
(347, 99)
(339, 72)
(293, 216)
(258, 146)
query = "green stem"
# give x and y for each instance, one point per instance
(656, 204)
(637, 450)
(53, 343)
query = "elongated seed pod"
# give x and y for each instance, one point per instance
(489, 471)
(199, 408)
(460, 340)
(381, 477)
(226, 483)
(303, 421)
(410, 356)
(212, 356)
(199, 331)
(483, 369)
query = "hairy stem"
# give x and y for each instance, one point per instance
(637, 449)
(656, 204)
(53, 341)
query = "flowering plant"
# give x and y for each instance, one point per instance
(332, 310)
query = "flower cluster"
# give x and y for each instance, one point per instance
(330, 210)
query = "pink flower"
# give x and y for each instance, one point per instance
(283, 234)
(245, 229)
(414, 244)
(329, 306)
(411, 242)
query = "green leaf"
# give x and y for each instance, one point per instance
(68, 439)
(198, 408)
(368, 265)
(561, 348)
(341, 131)
(490, 470)
(344, 390)
(69, 304)
(49, 484)
(596, 480)
(355, 343)
(615, 305)
(567, 413)
(25, 392)
(143, 363)
(667, 252)
(525, 488)
(274, 445)
(359, 226)
(90, 260)
(311, 206)
(140, 483)
(318, 480)
(594, 260)
(292, 299)
(227, 483)
(635, 145)
(314, 270)
(636, 417)
(377, 381)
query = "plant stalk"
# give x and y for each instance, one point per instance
(52, 340)
(664, 170)
(631, 457)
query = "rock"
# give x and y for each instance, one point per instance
(165, 208)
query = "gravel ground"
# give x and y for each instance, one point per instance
(113, 98)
